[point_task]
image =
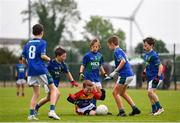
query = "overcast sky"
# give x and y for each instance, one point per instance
(157, 18)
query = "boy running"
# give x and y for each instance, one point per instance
(56, 67)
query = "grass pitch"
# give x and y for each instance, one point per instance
(16, 109)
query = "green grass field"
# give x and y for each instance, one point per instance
(13, 108)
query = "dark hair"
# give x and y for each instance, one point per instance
(87, 83)
(59, 51)
(20, 58)
(149, 40)
(95, 41)
(114, 40)
(37, 29)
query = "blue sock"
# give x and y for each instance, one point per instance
(37, 106)
(52, 107)
(154, 109)
(94, 102)
(133, 107)
(31, 111)
(158, 105)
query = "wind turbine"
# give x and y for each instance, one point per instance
(131, 20)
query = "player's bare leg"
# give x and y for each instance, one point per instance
(45, 100)
(58, 95)
(125, 95)
(118, 100)
(17, 86)
(22, 86)
(155, 101)
(150, 95)
(53, 99)
(36, 92)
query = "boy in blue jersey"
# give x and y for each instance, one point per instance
(124, 70)
(92, 65)
(153, 74)
(34, 53)
(21, 76)
(56, 67)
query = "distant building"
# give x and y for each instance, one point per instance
(13, 44)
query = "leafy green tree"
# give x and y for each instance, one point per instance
(55, 15)
(159, 47)
(139, 48)
(102, 29)
(7, 57)
(83, 46)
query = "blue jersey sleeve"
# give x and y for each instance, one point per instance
(65, 68)
(43, 48)
(49, 66)
(118, 56)
(85, 60)
(101, 61)
(155, 59)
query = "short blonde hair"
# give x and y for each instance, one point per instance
(95, 41)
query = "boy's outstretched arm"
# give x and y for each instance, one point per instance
(45, 57)
(70, 77)
(71, 98)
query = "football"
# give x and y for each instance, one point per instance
(101, 110)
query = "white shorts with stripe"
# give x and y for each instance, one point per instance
(98, 84)
(124, 80)
(37, 80)
(89, 107)
(20, 81)
(152, 85)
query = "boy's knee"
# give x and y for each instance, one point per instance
(114, 93)
(92, 112)
(52, 88)
(58, 93)
(36, 95)
(150, 93)
(122, 94)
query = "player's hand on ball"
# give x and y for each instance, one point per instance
(74, 83)
(112, 75)
(81, 76)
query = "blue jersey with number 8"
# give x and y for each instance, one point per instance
(33, 51)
